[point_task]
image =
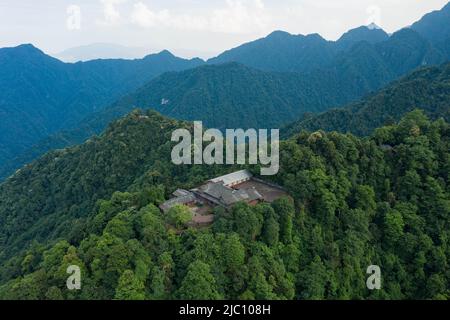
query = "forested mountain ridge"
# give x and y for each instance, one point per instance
(53, 196)
(371, 34)
(427, 89)
(435, 27)
(285, 52)
(363, 60)
(232, 95)
(355, 203)
(281, 51)
(225, 96)
(41, 95)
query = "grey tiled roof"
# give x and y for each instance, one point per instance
(234, 177)
(178, 200)
(229, 196)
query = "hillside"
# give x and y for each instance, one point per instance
(281, 51)
(355, 204)
(53, 196)
(78, 103)
(435, 26)
(427, 89)
(404, 51)
(41, 95)
(230, 96)
(371, 34)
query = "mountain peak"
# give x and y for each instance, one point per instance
(279, 34)
(162, 54)
(166, 53)
(315, 36)
(373, 26)
(23, 51)
(26, 47)
(371, 33)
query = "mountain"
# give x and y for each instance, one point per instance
(281, 51)
(231, 95)
(352, 203)
(372, 34)
(332, 73)
(427, 89)
(406, 50)
(100, 51)
(435, 27)
(428, 40)
(64, 186)
(41, 95)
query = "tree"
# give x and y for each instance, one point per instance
(130, 287)
(199, 283)
(54, 293)
(121, 226)
(271, 231)
(284, 208)
(179, 216)
(394, 226)
(158, 284)
(247, 221)
(313, 280)
(233, 253)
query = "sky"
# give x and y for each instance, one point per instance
(192, 27)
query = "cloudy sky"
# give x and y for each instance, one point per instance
(189, 27)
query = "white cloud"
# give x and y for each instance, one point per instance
(111, 14)
(237, 16)
(374, 13)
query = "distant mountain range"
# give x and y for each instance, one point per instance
(427, 89)
(101, 51)
(435, 27)
(47, 104)
(377, 196)
(41, 95)
(282, 51)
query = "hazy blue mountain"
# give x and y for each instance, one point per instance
(40, 95)
(425, 43)
(406, 50)
(233, 96)
(101, 51)
(427, 89)
(435, 26)
(330, 74)
(281, 51)
(372, 34)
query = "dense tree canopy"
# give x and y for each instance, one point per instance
(382, 200)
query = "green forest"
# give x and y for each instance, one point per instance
(89, 191)
(354, 202)
(427, 88)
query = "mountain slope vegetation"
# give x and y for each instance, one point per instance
(435, 26)
(223, 96)
(41, 95)
(427, 89)
(353, 204)
(331, 74)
